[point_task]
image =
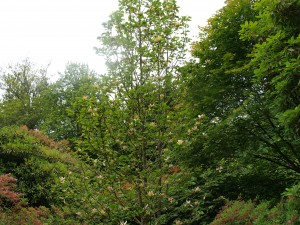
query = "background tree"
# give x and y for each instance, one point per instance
(274, 106)
(219, 82)
(23, 87)
(239, 125)
(76, 81)
(256, 103)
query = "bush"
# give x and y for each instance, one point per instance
(14, 209)
(287, 211)
(7, 195)
(36, 161)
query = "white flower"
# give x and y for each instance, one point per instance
(123, 222)
(200, 116)
(215, 120)
(219, 169)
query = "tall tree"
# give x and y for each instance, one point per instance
(249, 85)
(23, 86)
(274, 106)
(219, 82)
(132, 128)
(239, 127)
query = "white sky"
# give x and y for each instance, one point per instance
(62, 31)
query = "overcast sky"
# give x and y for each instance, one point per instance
(62, 31)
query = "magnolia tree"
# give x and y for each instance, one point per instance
(135, 125)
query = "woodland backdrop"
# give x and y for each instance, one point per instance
(162, 138)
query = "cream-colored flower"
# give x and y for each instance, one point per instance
(180, 142)
(171, 200)
(110, 188)
(167, 158)
(62, 180)
(177, 23)
(178, 222)
(158, 38)
(219, 169)
(195, 128)
(152, 124)
(201, 116)
(99, 177)
(197, 189)
(150, 193)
